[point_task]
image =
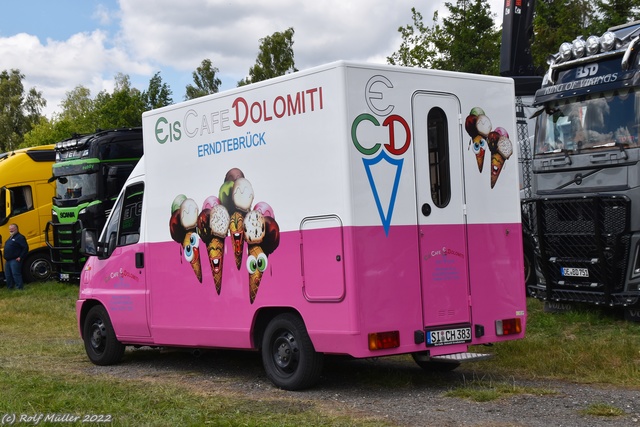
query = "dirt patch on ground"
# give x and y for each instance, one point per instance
(394, 391)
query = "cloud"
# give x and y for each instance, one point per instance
(181, 35)
(57, 67)
(146, 36)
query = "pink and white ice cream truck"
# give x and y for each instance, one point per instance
(351, 209)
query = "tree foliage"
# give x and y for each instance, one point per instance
(614, 12)
(83, 115)
(275, 58)
(205, 80)
(466, 40)
(19, 112)
(158, 94)
(417, 48)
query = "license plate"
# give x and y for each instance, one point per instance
(448, 336)
(64, 276)
(575, 272)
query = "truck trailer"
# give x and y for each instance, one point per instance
(349, 209)
(25, 194)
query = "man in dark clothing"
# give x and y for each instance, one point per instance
(15, 249)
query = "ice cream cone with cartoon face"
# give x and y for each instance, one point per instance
(503, 151)
(236, 229)
(479, 147)
(254, 232)
(190, 246)
(219, 225)
(182, 226)
(256, 265)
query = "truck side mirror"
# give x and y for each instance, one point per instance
(88, 246)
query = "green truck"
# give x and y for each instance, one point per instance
(89, 172)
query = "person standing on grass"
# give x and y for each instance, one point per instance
(15, 250)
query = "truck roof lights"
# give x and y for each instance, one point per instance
(607, 41)
(593, 45)
(565, 51)
(578, 47)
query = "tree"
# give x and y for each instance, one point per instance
(417, 48)
(158, 94)
(18, 114)
(556, 22)
(467, 40)
(123, 108)
(274, 59)
(205, 81)
(615, 12)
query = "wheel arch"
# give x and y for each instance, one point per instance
(262, 318)
(86, 306)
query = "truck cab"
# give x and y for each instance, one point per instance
(25, 194)
(89, 172)
(586, 204)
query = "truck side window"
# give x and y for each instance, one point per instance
(438, 138)
(3, 203)
(22, 199)
(131, 215)
(123, 227)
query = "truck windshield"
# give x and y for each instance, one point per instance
(594, 122)
(76, 186)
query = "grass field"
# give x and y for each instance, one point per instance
(44, 369)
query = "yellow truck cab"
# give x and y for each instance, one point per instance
(26, 194)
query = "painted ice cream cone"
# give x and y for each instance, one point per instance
(254, 232)
(256, 265)
(504, 150)
(497, 162)
(182, 226)
(236, 229)
(192, 252)
(219, 225)
(479, 148)
(215, 250)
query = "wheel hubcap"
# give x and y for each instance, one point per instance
(41, 269)
(98, 336)
(286, 352)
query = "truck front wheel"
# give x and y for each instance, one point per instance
(288, 355)
(37, 267)
(100, 342)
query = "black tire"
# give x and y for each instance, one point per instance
(433, 365)
(288, 356)
(100, 342)
(37, 267)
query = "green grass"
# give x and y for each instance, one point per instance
(586, 345)
(602, 410)
(44, 369)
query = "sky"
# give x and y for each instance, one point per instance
(59, 45)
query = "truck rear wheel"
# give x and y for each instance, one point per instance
(37, 267)
(288, 356)
(100, 342)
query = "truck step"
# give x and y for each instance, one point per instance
(462, 357)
